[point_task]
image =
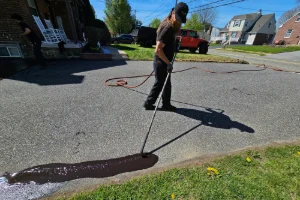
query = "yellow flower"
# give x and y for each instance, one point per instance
(211, 169)
(298, 153)
(248, 159)
(173, 196)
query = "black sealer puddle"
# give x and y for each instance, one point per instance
(61, 172)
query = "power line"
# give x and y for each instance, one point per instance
(218, 6)
(156, 9)
(256, 9)
(207, 4)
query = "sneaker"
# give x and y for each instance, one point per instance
(148, 106)
(169, 108)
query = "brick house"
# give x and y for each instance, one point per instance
(15, 48)
(289, 31)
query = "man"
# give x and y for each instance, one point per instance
(33, 38)
(164, 52)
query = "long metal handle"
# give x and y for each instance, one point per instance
(159, 99)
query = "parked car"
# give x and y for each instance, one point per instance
(146, 37)
(192, 42)
(124, 38)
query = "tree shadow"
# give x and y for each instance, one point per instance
(122, 47)
(63, 72)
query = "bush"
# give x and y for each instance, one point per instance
(280, 42)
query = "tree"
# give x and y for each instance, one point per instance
(118, 16)
(194, 23)
(288, 14)
(207, 16)
(155, 23)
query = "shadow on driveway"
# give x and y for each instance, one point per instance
(214, 119)
(63, 72)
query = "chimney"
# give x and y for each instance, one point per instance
(259, 11)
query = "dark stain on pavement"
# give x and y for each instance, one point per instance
(235, 89)
(61, 172)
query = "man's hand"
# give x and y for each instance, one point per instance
(170, 68)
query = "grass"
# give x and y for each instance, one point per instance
(135, 52)
(262, 50)
(272, 173)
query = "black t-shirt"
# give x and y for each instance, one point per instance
(166, 35)
(32, 37)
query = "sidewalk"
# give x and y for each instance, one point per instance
(286, 61)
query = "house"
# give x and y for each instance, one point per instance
(289, 31)
(251, 29)
(63, 17)
(215, 34)
(52, 20)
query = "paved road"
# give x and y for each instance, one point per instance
(286, 61)
(66, 114)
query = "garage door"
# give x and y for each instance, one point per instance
(250, 39)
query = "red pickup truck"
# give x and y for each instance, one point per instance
(191, 41)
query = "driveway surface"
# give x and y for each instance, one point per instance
(66, 114)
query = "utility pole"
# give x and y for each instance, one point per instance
(175, 3)
(135, 19)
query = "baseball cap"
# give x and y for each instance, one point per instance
(181, 11)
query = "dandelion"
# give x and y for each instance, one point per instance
(173, 196)
(248, 159)
(298, 153)
(211, 169)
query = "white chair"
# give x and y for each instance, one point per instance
(49, 34)
(61, 29)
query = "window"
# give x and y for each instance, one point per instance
(233, 34)
(31, 3)
(9, 51)
(193, 34)
(32, 7)
(270, 24)
(237, 23)
(184, 33)
(298, 18)
(288, 33)
(228, 25)
(246, 23)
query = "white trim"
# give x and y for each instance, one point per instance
(286, 33)
(298, 17)
(12, 46)
(289, 19)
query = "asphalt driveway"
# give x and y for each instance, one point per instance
(66, 114)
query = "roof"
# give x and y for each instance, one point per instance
(225, 29)
(297, 13)
(260, 22)
(250, 16)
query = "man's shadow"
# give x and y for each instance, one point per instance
(211, 118)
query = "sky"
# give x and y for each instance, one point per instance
(146, 10)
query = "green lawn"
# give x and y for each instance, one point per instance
(262, 50)
(135, 52)
(272, 173)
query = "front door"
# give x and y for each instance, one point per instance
(250, 39)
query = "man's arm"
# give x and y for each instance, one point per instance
(159, 51)
(27, 31)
